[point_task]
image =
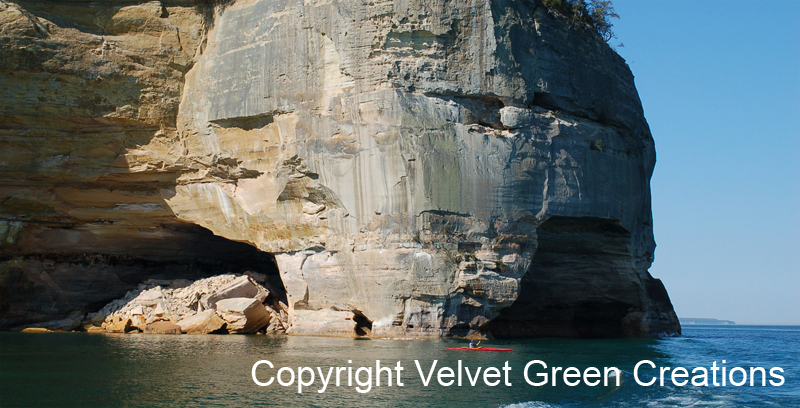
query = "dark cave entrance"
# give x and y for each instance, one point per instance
(88, 281)
(581, 283)
(363, 324)
(203, 254)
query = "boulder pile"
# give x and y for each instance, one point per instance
(219, 304)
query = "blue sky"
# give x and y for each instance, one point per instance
(720, 86)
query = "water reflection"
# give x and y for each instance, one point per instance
(163, 370)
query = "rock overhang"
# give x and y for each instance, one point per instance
(399, 138)
(398, 159)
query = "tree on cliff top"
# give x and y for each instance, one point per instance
(596, 14)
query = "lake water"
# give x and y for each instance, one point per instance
(78, 369)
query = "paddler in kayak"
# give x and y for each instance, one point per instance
(473, 344)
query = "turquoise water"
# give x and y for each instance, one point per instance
(77, 369)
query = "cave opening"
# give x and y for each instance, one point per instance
(75, 283)
(581, 283)
(363, 324)
(203, 254)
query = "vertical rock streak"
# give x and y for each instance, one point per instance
(417, 168)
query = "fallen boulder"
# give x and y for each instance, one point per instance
(35, 330)
(241, 287)
(121, 326)
(243, 315)
(149, 297)
(201, 323)
(162, 327)
(139, 322)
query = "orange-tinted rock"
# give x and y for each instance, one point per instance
(406, 174)
(121, 326)
(243, 315)
(201, 323)
(35, 330)
(162, 327)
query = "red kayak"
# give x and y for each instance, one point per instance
(477, 349)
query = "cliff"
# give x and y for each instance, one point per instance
(420, 168)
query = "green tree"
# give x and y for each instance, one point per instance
(596, 14)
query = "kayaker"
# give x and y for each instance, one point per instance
(473, 344)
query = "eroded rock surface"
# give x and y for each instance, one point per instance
(162, 328)
(204, 322)
(416, 168)
(243, 315)
(407, 169)
(89, 150)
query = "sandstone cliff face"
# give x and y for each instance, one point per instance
(435, 168)
(90, 93)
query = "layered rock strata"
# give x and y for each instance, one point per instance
(89, 151)
(419, 168)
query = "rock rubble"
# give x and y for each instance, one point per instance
(435, 169)
(219, 304)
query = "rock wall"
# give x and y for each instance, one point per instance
(431, 168)
(90, 95)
